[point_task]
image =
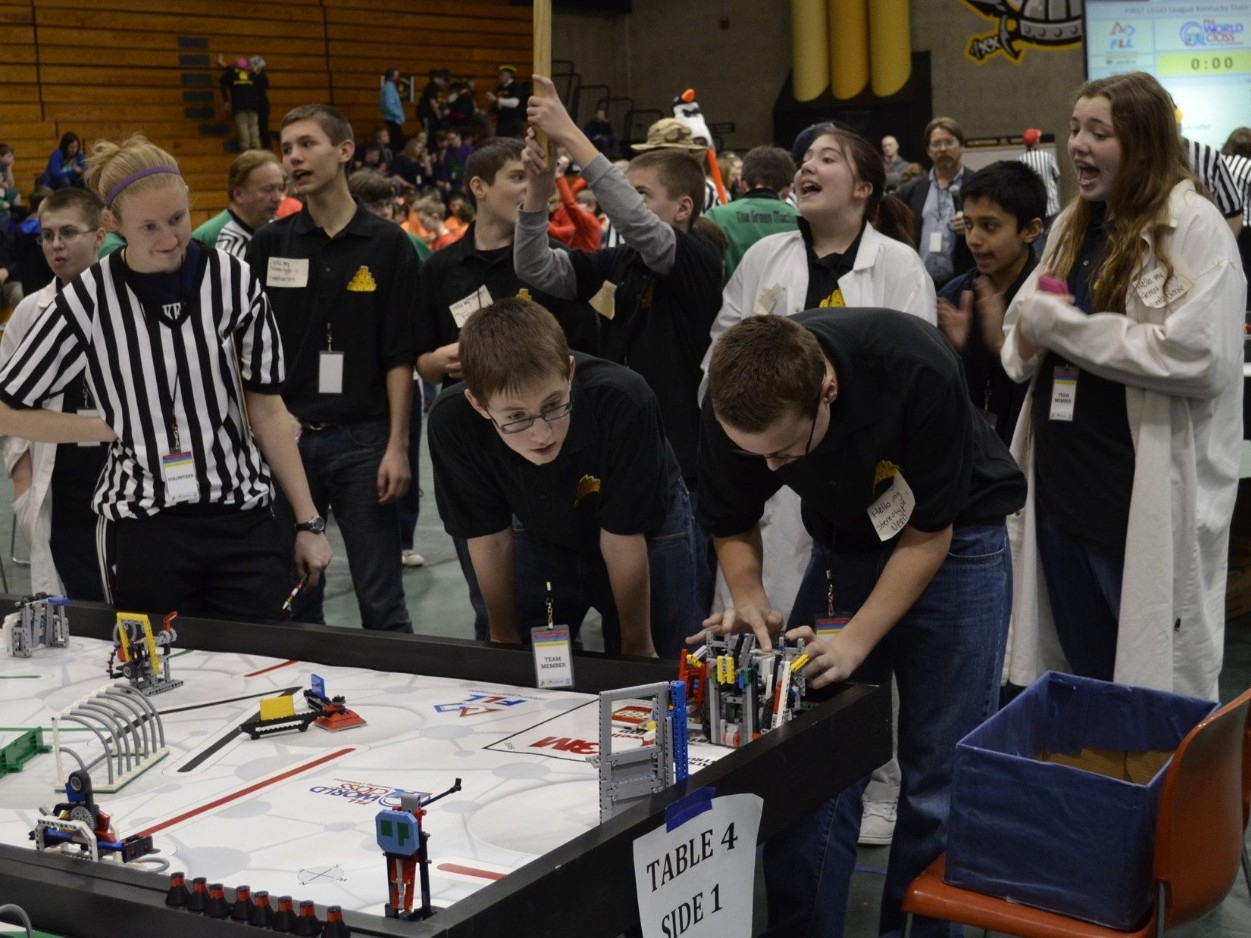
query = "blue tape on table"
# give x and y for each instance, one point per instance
(693, 805)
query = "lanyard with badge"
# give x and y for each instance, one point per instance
(178, 462)
(177, 465)
(553, 653)
(830, 624)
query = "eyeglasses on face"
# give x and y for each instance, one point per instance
(944, 143)
(550, 415)
(67, 235)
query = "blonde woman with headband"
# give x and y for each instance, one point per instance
(181, 354)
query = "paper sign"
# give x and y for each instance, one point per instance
(553, 656)
(695, 877)
(891, 513)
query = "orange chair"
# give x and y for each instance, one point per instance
(1205, 802)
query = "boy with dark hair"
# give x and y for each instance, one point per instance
(1004, 205)
(659, 292)
(904, 490)
(573, 448)
(341, 282)
(768, 173)
(474, 272)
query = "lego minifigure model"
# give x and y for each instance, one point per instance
(40, 623)
(79, 820)
(403, 841)
(142, 655)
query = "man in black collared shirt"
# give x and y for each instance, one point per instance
(904, 489)
(573, 448)
(341, 282)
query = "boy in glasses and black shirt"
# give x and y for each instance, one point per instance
(555, 468)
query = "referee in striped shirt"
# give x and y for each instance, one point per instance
(181, 353)
(1210, 167)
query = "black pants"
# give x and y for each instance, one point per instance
(211, 564)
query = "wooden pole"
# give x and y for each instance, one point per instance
(542, 51)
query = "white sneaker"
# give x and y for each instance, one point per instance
(410, 558)
(877, 824)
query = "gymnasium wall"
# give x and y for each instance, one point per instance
(737, 55)
(109, 68)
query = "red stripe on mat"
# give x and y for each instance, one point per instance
(243, 792)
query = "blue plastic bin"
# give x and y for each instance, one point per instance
(1055, 836)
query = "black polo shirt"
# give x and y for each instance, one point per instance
(661, 326)
(614, 472)
(902, 408)
(458, 271)
(351, 294)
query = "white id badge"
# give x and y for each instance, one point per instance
(330, 373)
(179, 472)
(936, 242)
(89, 413)
(289, 272)
(553, 656)
(891, 513)
(1064, 393)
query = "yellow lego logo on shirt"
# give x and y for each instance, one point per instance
(587, 485)
(362, 281)
(834, 299)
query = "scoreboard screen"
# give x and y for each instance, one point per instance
(1200, 52)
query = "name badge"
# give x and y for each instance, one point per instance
(330, 373)
(826, 626)
(936, 242)
(553, 656)
(1064, 393)
(891, 513)
(89, 413)
(1151, 290)
(287, 272)
(179, 472)
(604, 301)
(462, 309)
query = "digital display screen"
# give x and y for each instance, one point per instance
(1200, 52)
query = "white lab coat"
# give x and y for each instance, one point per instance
(773, 278)
(33, 509)
(1181, 363)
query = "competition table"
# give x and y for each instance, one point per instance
(518, 850)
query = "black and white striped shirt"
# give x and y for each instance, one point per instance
(1240, 170)
(1044, 166)
(158, 373)
(1209, 166)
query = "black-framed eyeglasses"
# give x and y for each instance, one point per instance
(67, 235)
(787, 457)
(549, 414)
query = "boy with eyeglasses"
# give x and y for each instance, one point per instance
(555, 468)
(53, 484)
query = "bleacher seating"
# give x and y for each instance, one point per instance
(110, 68)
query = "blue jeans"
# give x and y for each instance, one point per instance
(580, 581)
(1084, 586)
(341, 463)
(947, 657)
